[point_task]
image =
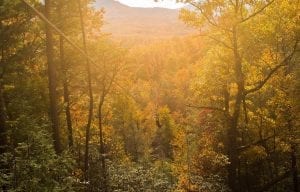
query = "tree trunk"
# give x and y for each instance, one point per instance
(3, 134)
(294, 168)
(91, 100)
(233, 121)
(65, 83)
(52, 81)
(102, 149)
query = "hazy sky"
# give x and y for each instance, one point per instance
(150, 3)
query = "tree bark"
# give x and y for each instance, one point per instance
(65, 83)
(294, 168)
(105, 90)
(3, 134)
(102, 149)
(233, 121)
(91, 99)
(52, 80)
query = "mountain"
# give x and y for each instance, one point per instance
(126, 22)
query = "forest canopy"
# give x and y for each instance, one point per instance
(214, 107)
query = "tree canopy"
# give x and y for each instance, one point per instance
(214, 110)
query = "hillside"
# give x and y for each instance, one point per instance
(141, 23)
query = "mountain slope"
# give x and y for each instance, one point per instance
(141, 23)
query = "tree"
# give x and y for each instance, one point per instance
(216, 111)
(226, 23)
(14, 24)
(52, 78)
(64, 72)
(107, 76)
(91, 99)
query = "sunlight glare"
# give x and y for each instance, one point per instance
(170, 4)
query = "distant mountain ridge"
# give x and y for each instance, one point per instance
(150, 23)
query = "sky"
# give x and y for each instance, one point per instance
(171, 4)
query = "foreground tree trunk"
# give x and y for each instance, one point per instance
(234, 120)
(65, 83)
(52, 80)
(3, 136)
(294, 168)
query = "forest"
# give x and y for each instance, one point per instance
(214, 110)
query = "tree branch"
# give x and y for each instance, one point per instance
(274, 70)
(274, 181)
(217, 40)
(257, 12)
(210, 21)
(255, 143)
(206, 107)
